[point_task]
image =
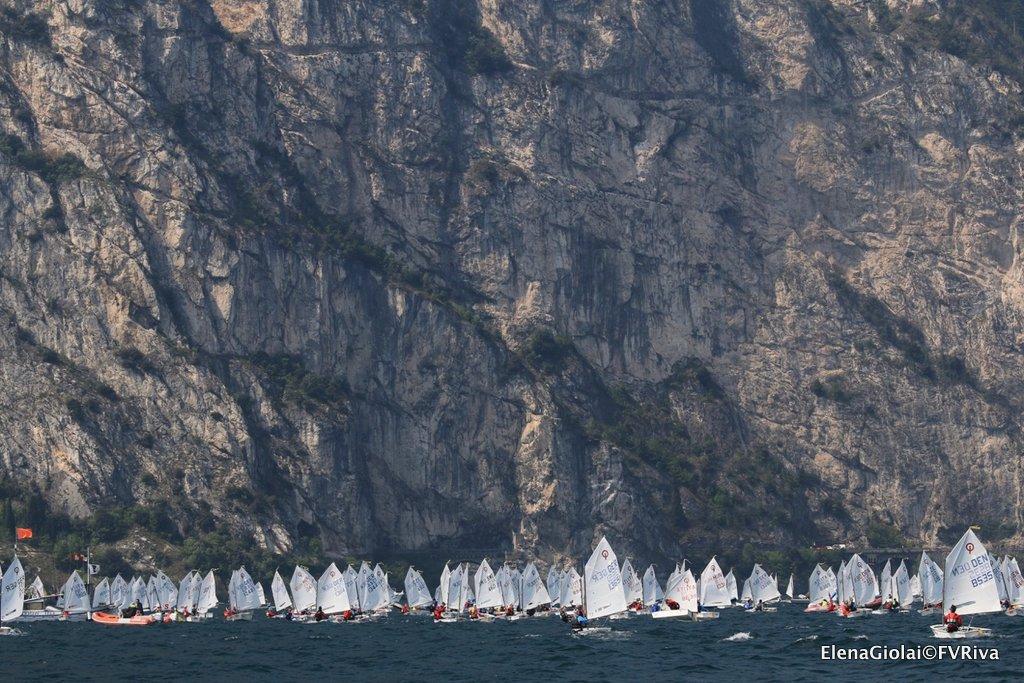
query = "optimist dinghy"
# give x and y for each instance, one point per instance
(970, 585)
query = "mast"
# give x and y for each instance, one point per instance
(88, 581)
(584, 590)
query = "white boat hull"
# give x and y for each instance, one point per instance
(939, 631)
(703, 616)
(73, 616)
(46, 614)
(670, 614)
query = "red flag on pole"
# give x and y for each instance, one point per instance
(22, 534)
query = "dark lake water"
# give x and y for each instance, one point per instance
(784, 645)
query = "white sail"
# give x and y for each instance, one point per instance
(446, 575)
(282, 601)
(789, 588)
(730, 585)
(119, 592)
(817, 585)
(572, 591)
(331, 594)
(554, 585)
(377, 594)
(76, 597)
(931, 581)
(509, 583)
(849, 591)
(456, 588)
(35, 590)
(416, 592)
(361, 580)
(915, 586)
(152, 594)
(246, 597)
(233, 591)
(187, 591)
(1015, 582)
(260, 594)
(748, 593)
(503, 579)
(166, 591)
(303, 587)
(901, 589)
(865, 583)
(885, 581)
(602, 586)
(101, 596)
(673, 586)
(488, 594)
(652, 589)
(997, 572)
(206, 598)
(970, 583)
(12, 591)
(534, 593)
(632, 587)
(352, 587)
(688, 592)
(762, 587)
(833, 587)
(714, 589)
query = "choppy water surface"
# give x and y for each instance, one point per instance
(784, 645)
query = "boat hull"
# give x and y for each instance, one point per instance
(818, 607)
(939, 631)
(73, 616)
(46, 614)
(670, 614)
(115, 620)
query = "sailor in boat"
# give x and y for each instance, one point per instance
(581, 620)
(319, 616)
(438, 611)
(748, 604)
(347, 615)
(405, 608)
(953, 621)
(760, 606)
(848, 606)
(473, 612)
(133, 610)
(672, 604)
(891, 603)
(636, 606)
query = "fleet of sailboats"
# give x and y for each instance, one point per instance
(970, 582)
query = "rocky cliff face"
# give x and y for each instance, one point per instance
(429, 273)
